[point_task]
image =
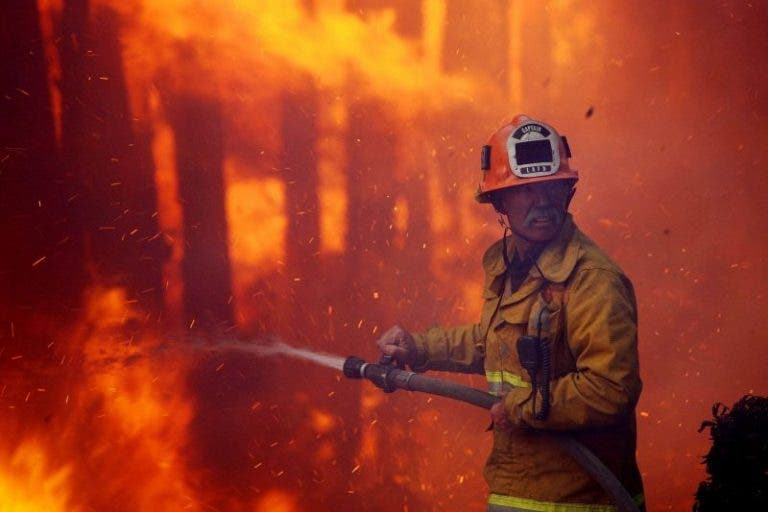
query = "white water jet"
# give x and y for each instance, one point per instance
(281, 348)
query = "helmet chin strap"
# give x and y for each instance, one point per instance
(507, 230)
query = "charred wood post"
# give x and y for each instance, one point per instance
(197, 125)
(41, 266)
(299, 168)
(115, 198)
(371, 156)
(124, 144)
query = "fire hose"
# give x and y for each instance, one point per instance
(389, 378)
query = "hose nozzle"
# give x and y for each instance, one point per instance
(382, 375)
(353, 367)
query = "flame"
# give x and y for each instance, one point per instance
(125, 403)
(28, 483)
(260, 35)
(276, 501)
(170, 216)
(371, 435)
(322, 421)
(332, 118)
(400, 221)
(121, 431)
(145, 414)
(255, 209)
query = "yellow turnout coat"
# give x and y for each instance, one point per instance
(590, 324)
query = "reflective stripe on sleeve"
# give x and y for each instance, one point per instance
(501, 503)
(497, 387)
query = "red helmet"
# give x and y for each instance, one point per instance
(521, 152)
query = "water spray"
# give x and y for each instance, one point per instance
(269, 347)
(281, 348)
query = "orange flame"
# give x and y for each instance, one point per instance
(29, 484)
(144, 411)
(121, 432)
(244, 43)
(122, 428)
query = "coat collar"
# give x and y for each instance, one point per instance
(556, 263)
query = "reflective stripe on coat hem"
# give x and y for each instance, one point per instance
(502, 503)
(496, 386)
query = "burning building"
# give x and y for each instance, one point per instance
(178, 175)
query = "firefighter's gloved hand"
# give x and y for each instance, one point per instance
(499, 415)
(398, 343)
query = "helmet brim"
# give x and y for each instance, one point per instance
(486, 195)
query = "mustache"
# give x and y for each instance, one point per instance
(553, 213)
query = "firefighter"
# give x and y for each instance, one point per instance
(557, 336)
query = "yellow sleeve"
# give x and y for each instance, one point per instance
(601, 328)
(459, 349)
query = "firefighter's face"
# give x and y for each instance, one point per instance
(536, 212)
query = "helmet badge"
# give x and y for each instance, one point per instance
(533, 150)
